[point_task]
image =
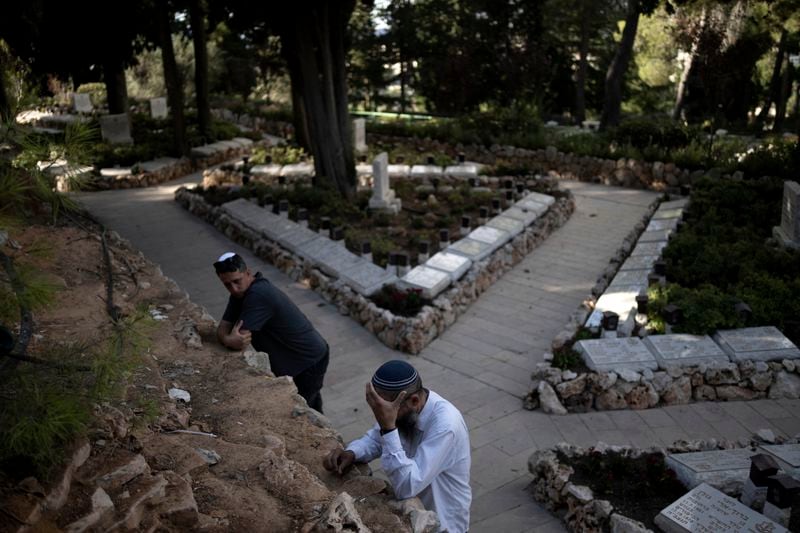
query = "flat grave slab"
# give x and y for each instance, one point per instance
(786, 455)
(296, 237)
(684, 350)
(266, 170)
(724, 469)
(620, 299)
(429, 280)
(367, 278)
(115, 172)
(494, 237)
(648, 248)
(704, 509)
(298, 169)
(545, 199)
(364, 169)
(203, 151)
(628, 353)
(228, 144)
(654, 236)
(426, 170)
(668, 212)
(454, 265)
(639, 262)
(243, 141)
(511, 225)
(270, 225)
(465, 170)
(329, 256)
(157, 164)
(662, 224)
(672, 204)
(398, 171)
(471, 249)
(757, 344)
(526, 217)
(532, 206)
(630, 278)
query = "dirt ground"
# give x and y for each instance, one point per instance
(255, 461)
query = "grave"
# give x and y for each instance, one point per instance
(648, 248)
(788, 233)
(383, 197)
(756, 344)
(727, 470)
(399, 171)
(786, 455)
(455, 265)
(266, 170)
(360, 135)
(82, 103)
(494, 237)
(630, 278)
(620, 299)
(532, 205)
(158, 107)
(655, 236)
(663, 224)
(672, 204)
(367, 278)
(429, 280)
(157, 164)
(329, 256)
(116, 129)
(639, 262)
(426, 170)
(604, 355)
(295, 237)
(662, 213)
(471, 249)
(513, 226)
(526, 217)
(297, 170)
(464, 170)
(704, 509)
(545, 199)
(684, 350)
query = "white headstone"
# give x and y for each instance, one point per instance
(789, 231)
(360, 135)
(430, 280)
(158, 107)
(511, 225)
(116, 129)
(454, 264)
(604, 355)
(367, 278)
(726, 470)
(786, 455)
(492, 236)
(382, 195)
(684, 350)
(756, 344)
(523, 215)
(705, 509)
(545, 199)
(471, 249)
(82, 103)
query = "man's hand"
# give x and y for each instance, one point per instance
(385, 412)
(339, 461)
(238, 338)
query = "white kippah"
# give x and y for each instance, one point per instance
(226, 255)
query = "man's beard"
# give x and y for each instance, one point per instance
(407, 423)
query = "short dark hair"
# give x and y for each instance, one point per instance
(234, 263)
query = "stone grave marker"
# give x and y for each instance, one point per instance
(603, 355)
(655, 236)
(383, 197)
(664, 223)
(526, 217)
(82, 103)
(684, 350)
(494, 237)
(662, 213)
(471, 249)
(648, 248)
(360, 135)
(788, 232)
(455, 265)
(620, 299)
(545, 199)
(399, 170)
(271, 169)
(464, 170)
(426, 170)
(630, 278)
(158, 107)
(727, 470)
(367, 278)
(756, 344)
(513, 226)
(639, 262)
(532, 206)
(116, 129)
(329, 256)
(786, 455)
(673, 204)
(704, 509)
(754, 492)
(157, 164)
(297, 170)
(296, 237)
(431, 281)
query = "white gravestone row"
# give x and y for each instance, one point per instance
(759, 344)
(788, 232)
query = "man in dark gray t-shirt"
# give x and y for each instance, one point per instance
(260, 313)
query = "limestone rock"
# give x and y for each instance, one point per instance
(661, 380)
(723, 374)
(734, 392)
(364, 486)
(761, 380)
(631, 376)
(602, 381)
(623, 524)
(610, 400)
(572, 387)
(642, 397)
(549, 400)
(341, 516)
(258, 360)
(178, 505)
(134, 467)
(289, 479)
(102, 509)
(786, 386)
(766, 435)
(582, 493)
(705, 392)
(679, 391)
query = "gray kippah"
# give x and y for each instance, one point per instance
(394, 375)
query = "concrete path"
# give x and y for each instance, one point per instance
(482, 363)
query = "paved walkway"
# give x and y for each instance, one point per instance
(482, 363)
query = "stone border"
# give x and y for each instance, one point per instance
(577, 505)
(407, 334)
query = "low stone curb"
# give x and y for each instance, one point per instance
(407, 334)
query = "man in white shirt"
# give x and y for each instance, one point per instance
(422, 441)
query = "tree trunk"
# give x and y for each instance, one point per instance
(301, 127)
(612, 101)
(197, 15)
(783, 97)
(775, 80)
(171, 78)
(680, 96)
(580, 75)
(5, 104)
(116, 87)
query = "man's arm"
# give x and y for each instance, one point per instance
(410, 476)
(233, 337)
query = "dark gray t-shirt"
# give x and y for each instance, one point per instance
(278, 327)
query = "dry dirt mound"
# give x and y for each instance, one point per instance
(243, 453)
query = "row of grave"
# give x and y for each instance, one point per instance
(362, 275)
(462, 170)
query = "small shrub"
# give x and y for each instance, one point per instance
(400, 302)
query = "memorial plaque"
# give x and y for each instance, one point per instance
(464, 170)
(724, 469)
(545, 199)
(639, 262)
(756, 344)
(512, 226)
(426, 170)
(82, 103)
(673, 204)
(532, 206)
(684, 350)
(706, 510)
(329, 256)
(294, 238)
(655, 236)
(526, 217)
(604, 355)
(430, 280)
(471, 249)
(367, 278)
(621, 300)
(492, 236)
(158, 107)
(665, 223)
(786, 455)
(628, 278)
(648, 248)
(360, 135)
(662, 213)
(454, 265)
(399, 171)
(116, 129)
(266, 170)
(298, 169)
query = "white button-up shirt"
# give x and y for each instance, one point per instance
(433, 464)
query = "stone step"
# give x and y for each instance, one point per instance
(133, 501)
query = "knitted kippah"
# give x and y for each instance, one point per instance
(394, 375)
(226, 255)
